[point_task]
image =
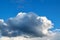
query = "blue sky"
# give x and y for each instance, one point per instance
(48, 8)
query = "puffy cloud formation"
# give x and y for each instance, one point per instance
(27, 26)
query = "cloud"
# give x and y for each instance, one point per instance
(52, 37)
(28, 26)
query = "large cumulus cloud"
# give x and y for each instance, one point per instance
(27, 26)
